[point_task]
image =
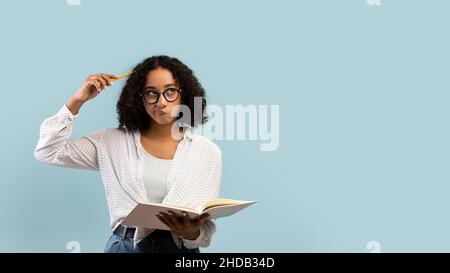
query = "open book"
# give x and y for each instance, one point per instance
(144, 214)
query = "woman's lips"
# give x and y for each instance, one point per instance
(160, 113)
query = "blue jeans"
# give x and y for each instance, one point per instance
(150, 244)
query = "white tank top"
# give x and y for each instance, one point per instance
(155, 177)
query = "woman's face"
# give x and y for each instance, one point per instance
(160, 80)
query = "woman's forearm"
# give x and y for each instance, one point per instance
(74, 104)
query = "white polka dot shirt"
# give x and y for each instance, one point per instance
(194, 176)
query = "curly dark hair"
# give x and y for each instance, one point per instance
(130, 109)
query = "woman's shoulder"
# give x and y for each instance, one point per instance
(205, 143)
(113, 134)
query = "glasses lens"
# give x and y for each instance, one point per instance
(171, 94)
(151, 96)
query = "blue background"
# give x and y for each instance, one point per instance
(363, 93)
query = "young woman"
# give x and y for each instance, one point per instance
(152, 156)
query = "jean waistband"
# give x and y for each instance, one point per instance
(128, 232)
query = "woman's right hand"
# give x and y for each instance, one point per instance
(93, 85)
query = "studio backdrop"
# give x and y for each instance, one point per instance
(332, 114)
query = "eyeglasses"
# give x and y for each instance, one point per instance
(151, 95)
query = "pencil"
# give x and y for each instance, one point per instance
(124, 75)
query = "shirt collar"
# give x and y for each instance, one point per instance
(187, 135)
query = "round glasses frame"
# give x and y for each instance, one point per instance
(164, 93)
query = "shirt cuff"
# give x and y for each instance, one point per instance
(196, 242)
(65, 111)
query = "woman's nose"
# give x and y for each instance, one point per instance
(161, 101)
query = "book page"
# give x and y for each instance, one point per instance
(221, 202)
(227, 210)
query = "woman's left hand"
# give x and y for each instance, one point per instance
(183, 225)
